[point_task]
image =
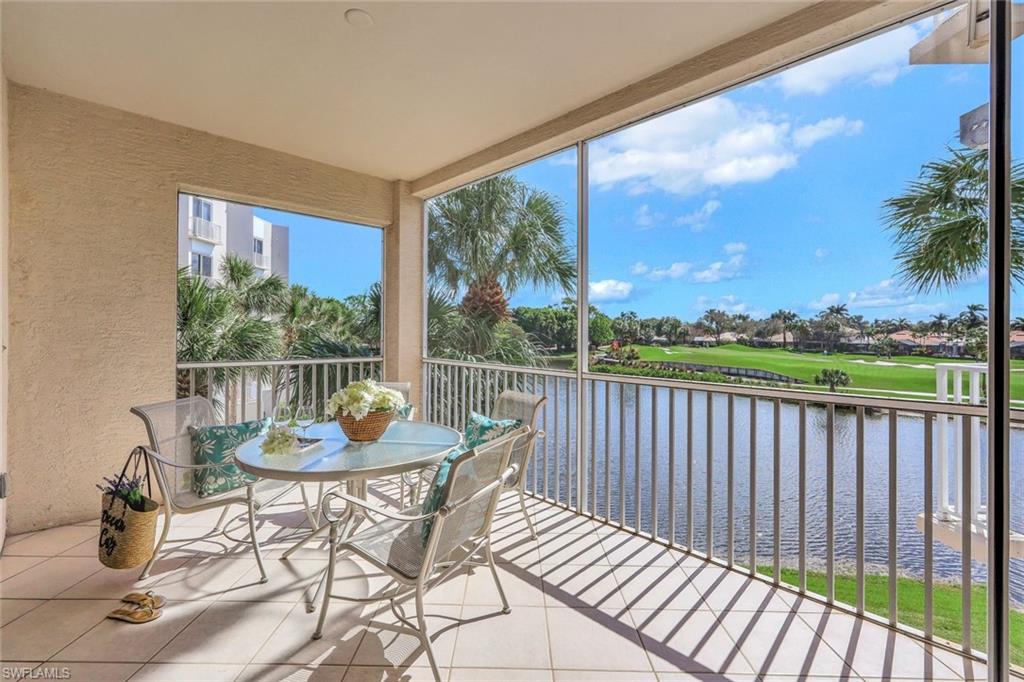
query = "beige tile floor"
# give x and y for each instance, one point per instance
(588, 603)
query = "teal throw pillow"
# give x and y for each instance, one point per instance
(216, 445)
(404, 412)
(480, 429)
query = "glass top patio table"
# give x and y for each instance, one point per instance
(405, 446)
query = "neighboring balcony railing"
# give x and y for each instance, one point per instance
(260, 260)
(252, 389)
(198, 228)
(825, 494)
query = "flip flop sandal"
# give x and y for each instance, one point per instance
(149, 599)
(136, 615)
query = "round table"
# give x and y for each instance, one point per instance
(405, 446)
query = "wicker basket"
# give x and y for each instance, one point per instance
(371, 427)
(127, 537)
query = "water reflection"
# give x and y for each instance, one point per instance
(646, 460)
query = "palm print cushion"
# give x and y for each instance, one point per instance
(480, 429)
(216, 445)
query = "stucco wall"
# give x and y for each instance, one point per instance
(93, 229)
(3, 285)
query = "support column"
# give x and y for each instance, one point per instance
(404, 292)
(999, 292)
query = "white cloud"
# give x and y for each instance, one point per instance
(674, 271)
(824, 302)
(721, 270)
(714, 272)
(638, 268)
(820, 254)
(809, 135)
(645, 218)
(885, 294)
(698, 220)
(714, 143)
(876, 61)
(610, 290)
(730, 303)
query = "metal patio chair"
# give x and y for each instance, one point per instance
(526, 408)
(417, 557)
(170, 458)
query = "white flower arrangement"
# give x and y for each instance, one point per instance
(360, 398)
(280, 441)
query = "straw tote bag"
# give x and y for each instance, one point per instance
(128, 536)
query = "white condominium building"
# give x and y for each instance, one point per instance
(210, 228)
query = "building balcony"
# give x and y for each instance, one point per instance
(589, 602)
(205, 230)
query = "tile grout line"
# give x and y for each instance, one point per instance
(16, 618)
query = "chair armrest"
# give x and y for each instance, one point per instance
(369, 507)
(486, 490)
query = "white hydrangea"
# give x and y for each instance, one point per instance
(280, 441)
(360, 398)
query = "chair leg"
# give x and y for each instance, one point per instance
(223, 517)
(526, 514)
(159, 543)
(497, 582)
(424, 635)
(319, 632)
(251, 502)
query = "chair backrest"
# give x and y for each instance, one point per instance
(526, 408)
(470, 474)
(167, 425)
(403, 387)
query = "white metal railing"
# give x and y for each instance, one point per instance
(260, 260)
(200, 228)
(781, 484)
(251, 389)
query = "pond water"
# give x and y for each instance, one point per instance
(556, 461)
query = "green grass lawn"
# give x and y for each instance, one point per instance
(903, 375)
(946, 605)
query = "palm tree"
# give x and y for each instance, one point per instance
(213, 325)
(832, 378)
(973, 316)
(939, 323)
(940, 223)
(627, 326)
(785, 318)
(835, 312)
(495, 236)
(1018, 324)
(253, 293)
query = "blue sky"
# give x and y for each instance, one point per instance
(769, 196)
(330, 257)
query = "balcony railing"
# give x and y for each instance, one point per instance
(805, 491)
(199, 228)
(260, 260)
(251, 389)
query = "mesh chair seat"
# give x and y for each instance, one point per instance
(393, 544)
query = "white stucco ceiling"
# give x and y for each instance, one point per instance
(427, 84)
